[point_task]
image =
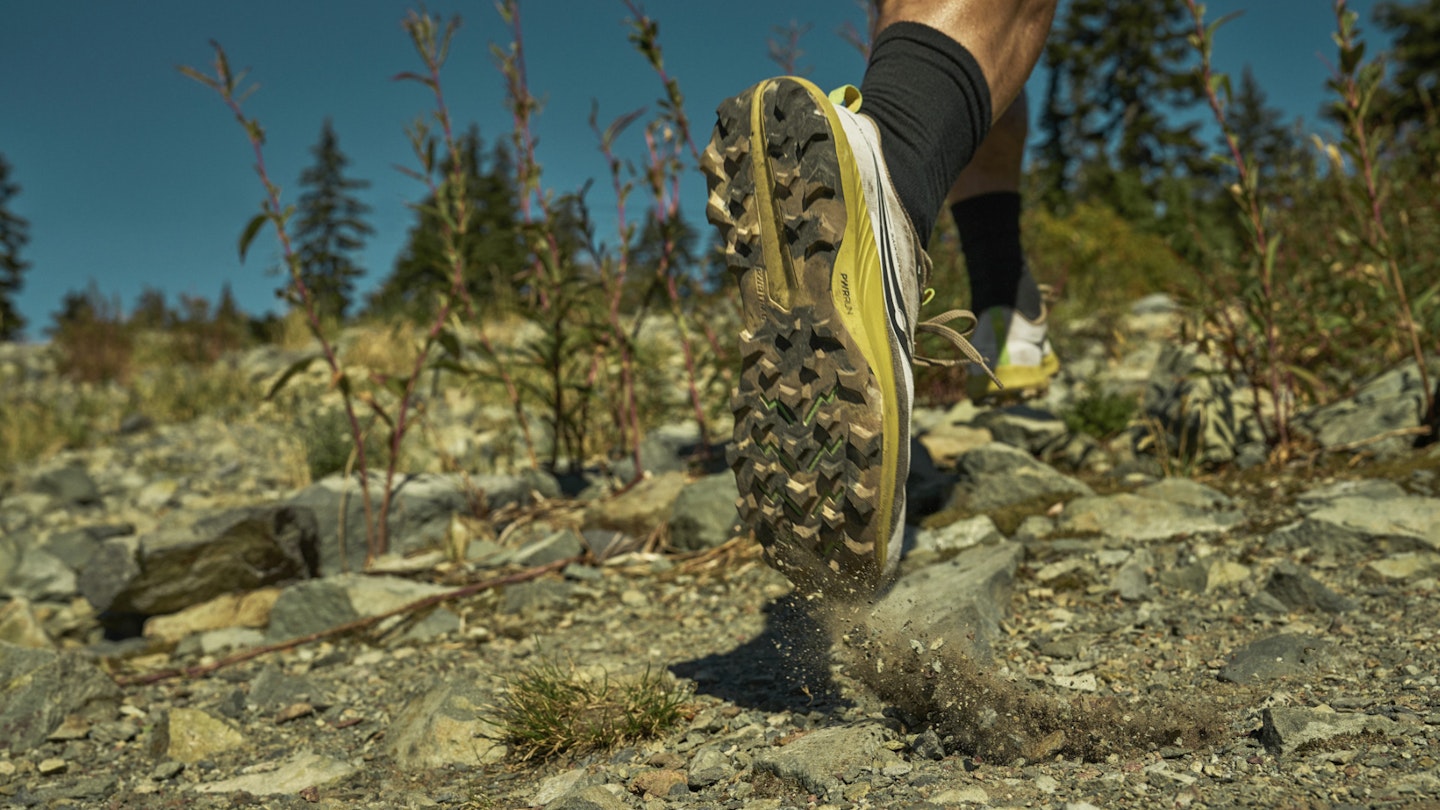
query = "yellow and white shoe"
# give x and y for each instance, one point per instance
(830, 273)
(1017, 349)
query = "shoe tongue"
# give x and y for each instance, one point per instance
(847, 96)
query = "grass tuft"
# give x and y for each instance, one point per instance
(555, 710)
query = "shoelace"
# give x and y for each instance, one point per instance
(937, 326)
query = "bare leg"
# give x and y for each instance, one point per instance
(1005, 36)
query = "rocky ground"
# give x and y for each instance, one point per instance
(1078, 623)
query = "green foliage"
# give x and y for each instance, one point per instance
(1100, 413)
(329, 448)
(330, 228)
(1098, 260)
(491, 248)
(93, 343)
(14, 234)
(1411, 95)
(552, 710)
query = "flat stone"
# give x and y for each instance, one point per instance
(814, 760)
(558, 545)
(1281, 656)
(553, 787)
(1299, 726)
(1402, 567)
(1297, 590)
(227, 610)
(946, 443)
(1411, 519)
(1023, 426)
(304, 770)
(958, 536)
(1135, 518)
(595, 797)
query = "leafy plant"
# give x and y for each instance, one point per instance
(1100, 413)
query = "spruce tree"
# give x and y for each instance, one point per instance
(493, 249)
(1119, 72)
(14, 234)
(331, 227)
(1414, 88)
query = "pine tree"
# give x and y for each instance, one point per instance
(493, 249)
(1119, 72)
(1276, 151)
(14, 234)
(1415, 86)
(331, 226)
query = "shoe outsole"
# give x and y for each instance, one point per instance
(808, 444)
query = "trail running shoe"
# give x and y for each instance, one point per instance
(1018, 351)
(830, 274)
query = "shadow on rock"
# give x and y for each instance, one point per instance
(785, 668)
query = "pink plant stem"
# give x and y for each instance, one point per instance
(292, 262)
(1261, 237)
(1380, 235)
(628, 413)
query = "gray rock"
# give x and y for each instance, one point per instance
(70, 485)
(708, 766)
(668, 448)
(191, 735)
(310, 607)
(189, 561)
(1321, 536)
(595, 797)
(1201, 413)
(557, 545)
(1132, 581)
(1300, 725)
(274, 689)
(306, 769)
(1402, 567)
(640, 509)
(998, 475)
(445, 725)
(815, 761)
(19, 626)
(39, 688)
(704, 515)
(75, 547)
(962, 534)
(553, 787)
(527, 597)
(1023, 426)
(1132, 517)
(38, 576)
(1282, 656)
(1390, 402)
(1187, 492)
(1297, 590)
(961, 600)
(436, 624)
(1410, 521)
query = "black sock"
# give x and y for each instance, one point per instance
(989, 227)
(929, 98)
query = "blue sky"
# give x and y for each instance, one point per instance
(135, 176)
